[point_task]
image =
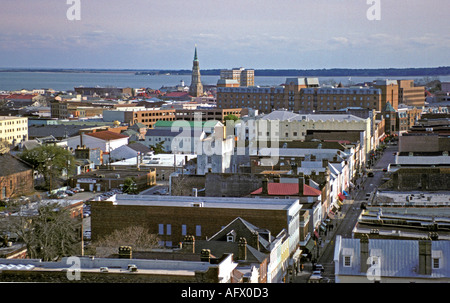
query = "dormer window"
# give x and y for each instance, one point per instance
(231, 236)
(347, 254)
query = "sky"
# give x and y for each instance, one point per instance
(255, 34)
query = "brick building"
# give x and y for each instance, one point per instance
(172, 218)
(16, 177)
(239, 77)
(409, 94)
(107, 179)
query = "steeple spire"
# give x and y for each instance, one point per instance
(196, 88)
(195, 55)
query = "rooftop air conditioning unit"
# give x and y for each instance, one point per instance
(132, 268)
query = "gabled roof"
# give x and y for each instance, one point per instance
(107, 135)
(244, 228)
(287, 189)
(12, 165)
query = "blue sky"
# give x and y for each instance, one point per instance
(281, 34)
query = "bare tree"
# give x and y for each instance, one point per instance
(138, 237)
(47, 229)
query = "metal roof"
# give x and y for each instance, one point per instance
(399, 258)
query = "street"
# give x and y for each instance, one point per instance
(348, 216)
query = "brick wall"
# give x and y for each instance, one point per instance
(107, 217)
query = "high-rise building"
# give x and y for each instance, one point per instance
(409, 94)
(389, 92)
(196, 88)
(241, 77)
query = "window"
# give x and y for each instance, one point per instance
(436, 263)
(183, 230)
(198, 230)
(436, 256)
(347, 253)
(161, 229)
(347, 261)
(168, 229)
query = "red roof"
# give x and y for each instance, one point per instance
(21, 96)
(176, 94)
(288, 189)
(107, 135)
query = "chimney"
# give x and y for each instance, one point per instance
(364, 252)
(307, 177)
(125, 252)
(325, 163)
(301, 183)
(205, 255)
(255, 237)
(425, 257)
(276, 178)
(189, 244)
(242, 249)
(265, 187)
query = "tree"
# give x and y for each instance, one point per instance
(48, 230)
(138, 237)
(130, 186)
(231, 117)
(158, 148)
(50, 161)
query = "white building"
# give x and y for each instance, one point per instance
(107, 141)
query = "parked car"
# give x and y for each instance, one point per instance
(69, 192)
(61, 195)
(315, 278)
(319, 268)
(370, 174)
(87, 235)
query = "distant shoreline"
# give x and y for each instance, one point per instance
(334, 72)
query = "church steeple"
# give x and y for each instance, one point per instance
(195, 54)
(196, 88)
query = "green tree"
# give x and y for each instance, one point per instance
(158, 148)
(50, 161)
(130, 186)
(231, 117)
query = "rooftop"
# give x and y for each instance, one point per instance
(287, 189)
(206, 202)
(107, 135)
(90, 264)
(283, 115)
(400, 258)
(412, 198)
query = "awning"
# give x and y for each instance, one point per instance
(310, 245)
(323, 228)
(346, 194)
(341, 197)
(331, 215)
(316, 233)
